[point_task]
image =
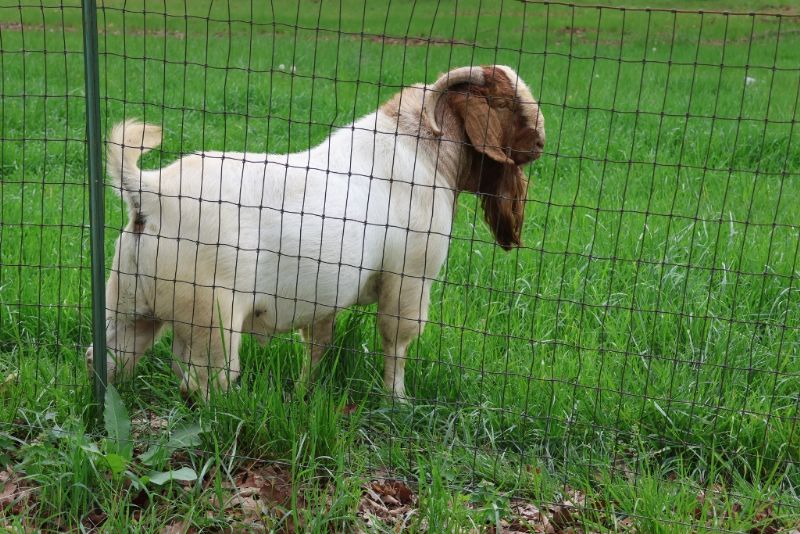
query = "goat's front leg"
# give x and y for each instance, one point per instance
(318, 336)
(402, 312)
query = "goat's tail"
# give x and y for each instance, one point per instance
(127, 143)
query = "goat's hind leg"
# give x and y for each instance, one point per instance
(130, 329)
(207, 341)
(318, 337)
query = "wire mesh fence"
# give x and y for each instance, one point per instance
(631, 362)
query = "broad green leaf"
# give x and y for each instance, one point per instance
(92, 448)
(181, 438)
(155, 454)
(116, 463)
(137, 482)
(186, 474)
(58, 432)
(7, 442)
(118, 423)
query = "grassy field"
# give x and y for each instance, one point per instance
(637, 359)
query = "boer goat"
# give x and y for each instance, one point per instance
(223, 243)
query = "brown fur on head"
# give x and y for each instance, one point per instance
(504, 129)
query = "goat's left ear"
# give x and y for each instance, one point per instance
(485, 129)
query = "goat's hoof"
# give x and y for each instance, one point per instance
(90, 360)
(398, 397)
(189, 397)
(304, 388)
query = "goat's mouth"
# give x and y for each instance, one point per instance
(538, 148)
(522, 157)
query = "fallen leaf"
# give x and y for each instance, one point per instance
(626, 524)
(180, 527)
(562, 516)
(388, 501)
(261, 491)
(394, 491)
(11, 378)
(14, 492)
(766, 522)
(92, 521)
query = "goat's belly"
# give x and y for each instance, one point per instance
(315, 266)
(301, 291)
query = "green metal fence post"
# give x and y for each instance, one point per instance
(96, 199)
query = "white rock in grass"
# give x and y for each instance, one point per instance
(294, 69)
(281, 67)
(749, 80)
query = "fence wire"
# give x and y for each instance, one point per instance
(643, 334)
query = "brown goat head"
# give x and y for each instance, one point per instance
(503, 129)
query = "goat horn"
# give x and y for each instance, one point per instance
(460, 75)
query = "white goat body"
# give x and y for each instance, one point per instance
(221, 243)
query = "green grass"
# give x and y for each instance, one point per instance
(641, 347)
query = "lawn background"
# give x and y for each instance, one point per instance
(642, 346)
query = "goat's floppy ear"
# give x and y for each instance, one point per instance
(484, 128)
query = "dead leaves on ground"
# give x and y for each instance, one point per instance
(526, 517)
(148, 424)
(393, 504)
(15, 492)
(713, 503)
(389, 501)
(180, 527)
(262, 497)
(553, 518)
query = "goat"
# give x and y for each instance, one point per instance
(221, 243)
